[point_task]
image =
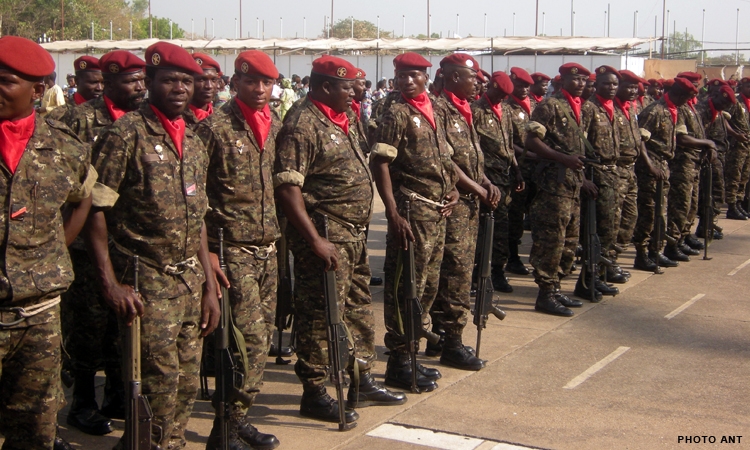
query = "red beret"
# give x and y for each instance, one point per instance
(538, 76)
(255, 62)
(601, 70)
(718, 82)
(668, 83)
(655, 82)
(592, 77)
(573, 69)
(502, 81)
(164, 55)
(518, 74)
(25, 57)
(206, 62)
(630, 77)
(745, 80)
(732, 82)
(690, 76)
(480, 76)
(361, 74)
(412, 61)
(121, 61)
(557, 79)
(641, 89)
(728, 92)
(461, 60)
(87, 63)
(685, 84)
(334, 67)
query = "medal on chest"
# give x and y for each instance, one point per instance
(417, 122)
(159, 151)
(240, 146)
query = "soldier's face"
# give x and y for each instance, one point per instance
(206, 87)
(606, 86)
(720, 102)
(745, 89)
(627, 91)
(340, 94)
(574, 84)
(17, 95)
(170, 91)
(464, 83)
(254, 90)
(359, 90)
(520, 89)
(90, 84)
(540, 87)
(127, 91)
(411, 83)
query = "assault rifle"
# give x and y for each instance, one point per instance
(483, 304)
(707, 215)
(592, 246)
(285, 299)
(658, 223)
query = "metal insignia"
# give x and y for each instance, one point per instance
(521, 115)
(333, 137)
(155, 59)
(417, 122)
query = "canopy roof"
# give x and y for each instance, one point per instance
(502, 45)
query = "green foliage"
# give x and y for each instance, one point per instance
(424, 36)
(363, 29)
(684, 44)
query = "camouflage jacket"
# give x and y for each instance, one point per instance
(602, 134)
(361, 131)
(89, 119)
(496, 141)
(629, 133)
(647, 100)
(54, 168)
(154, 201)
(657, 120)
(689, 122)
(191, 121)
(715, 128)
(378, 110)
(420, 158)
(740, 122)
(330, 169)
(463, 138)
(240, 178)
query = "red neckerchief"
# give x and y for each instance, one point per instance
(357, 108)
(462, 106)
(575, 105)
(114, 112)
(202, 113)
(640, 100)
(423, 104)
(174, 128)
(624, 106)
(78, 98)
(714, 112)
(608, 106)
(537, 98)
(14, 136)
(672, 108)
(525, 103)
(341, 120)
(496, 108)
(747, 102)
(259, 121)
(692, 102)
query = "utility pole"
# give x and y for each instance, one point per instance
(485, 24)
(536, 21)
(458, 18)
(331, 17)
(403, 26)
(62, 19)
(110, 30)
(429, 17)
(572, 20)
(663, 25)
(240, 20)
(703, 34)
(150, 22)
(737, 39)
(609, 18)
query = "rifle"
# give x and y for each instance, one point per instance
(658, 224)
(483, 304)
(592, 247)
(138, 414)
(707, 215)
(285, 298)
(338, 351)
(412, 325)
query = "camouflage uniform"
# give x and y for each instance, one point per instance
(496, 141)
(154, 205)
(604, 137)
(716, 131)
(420, 162)
(378, 110)
(89, 119)
(627, 185)
(657, 120)
(521, 201)
(241, 199)
(737, 167)
(35, 268)
(332, 173)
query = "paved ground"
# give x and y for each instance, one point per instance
(672, 353)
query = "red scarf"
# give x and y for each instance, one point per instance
(672, 108)
(259, 121)
(624, 106)
(575, 105)
(14, 136)
(608, 106)
(692, 102)
(422, 104)
(357, 108)
(78, 98)
(202, 113)
(640, 100)
(747, 102)
(462, 106)
(525, 104)
(496, 108)
(341, 120)
(537, 98)
(174, 128)
(114, 112)
(714, 112)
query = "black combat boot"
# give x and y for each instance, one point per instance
(456, 355)
(398, 373)
(734, 214)
(742, 210)
(585, 292)
(642, 261)
(499, 282)
(84, 413)
(686, 249)
(548, 304)
(515, 265)
(663, 260)
(317, 404)
(564, 299)
(615, 274)
(618, 248)
(672, 252)
(694, 242)
(60, 443)
(371, 393)
(252, 437)
(285, 351)
(235, 443)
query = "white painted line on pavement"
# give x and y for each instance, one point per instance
(509, 447)
(572, 384)
(428, 438)
(684, 306)
(738, 268)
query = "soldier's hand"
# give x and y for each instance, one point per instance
(327, 252)
(451, 201)
(657, 173)
(210, 312)
(520, 184)
(124, 301)
(400, 229)
(221, 278)
(493, 195)
(572, 162)
(590, 189)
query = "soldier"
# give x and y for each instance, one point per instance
(492, 120)
(411, 162)
(240, 140)
(590, 88)
(520, 107)
(737, 168)
(660, 119)
(206, 87)
(89, 85)
(655, 91)
(152, 188)
(47, 181)
(538, 90)
(554, 136)
(321, 171)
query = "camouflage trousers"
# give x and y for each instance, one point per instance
(30, 386)
(717, 191)
(429, 242)
(627, 208)
(683, 196)
(736, 173)
(555, 228)
(355, 306)
(453, 300)
(607, 226)
(521, 202)
(644, 226)
(500, 239)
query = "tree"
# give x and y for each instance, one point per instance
(684, 45)
(363, 29)
(424, 36)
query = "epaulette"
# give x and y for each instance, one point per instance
(61, 126)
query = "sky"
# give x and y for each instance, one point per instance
(287, 17)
